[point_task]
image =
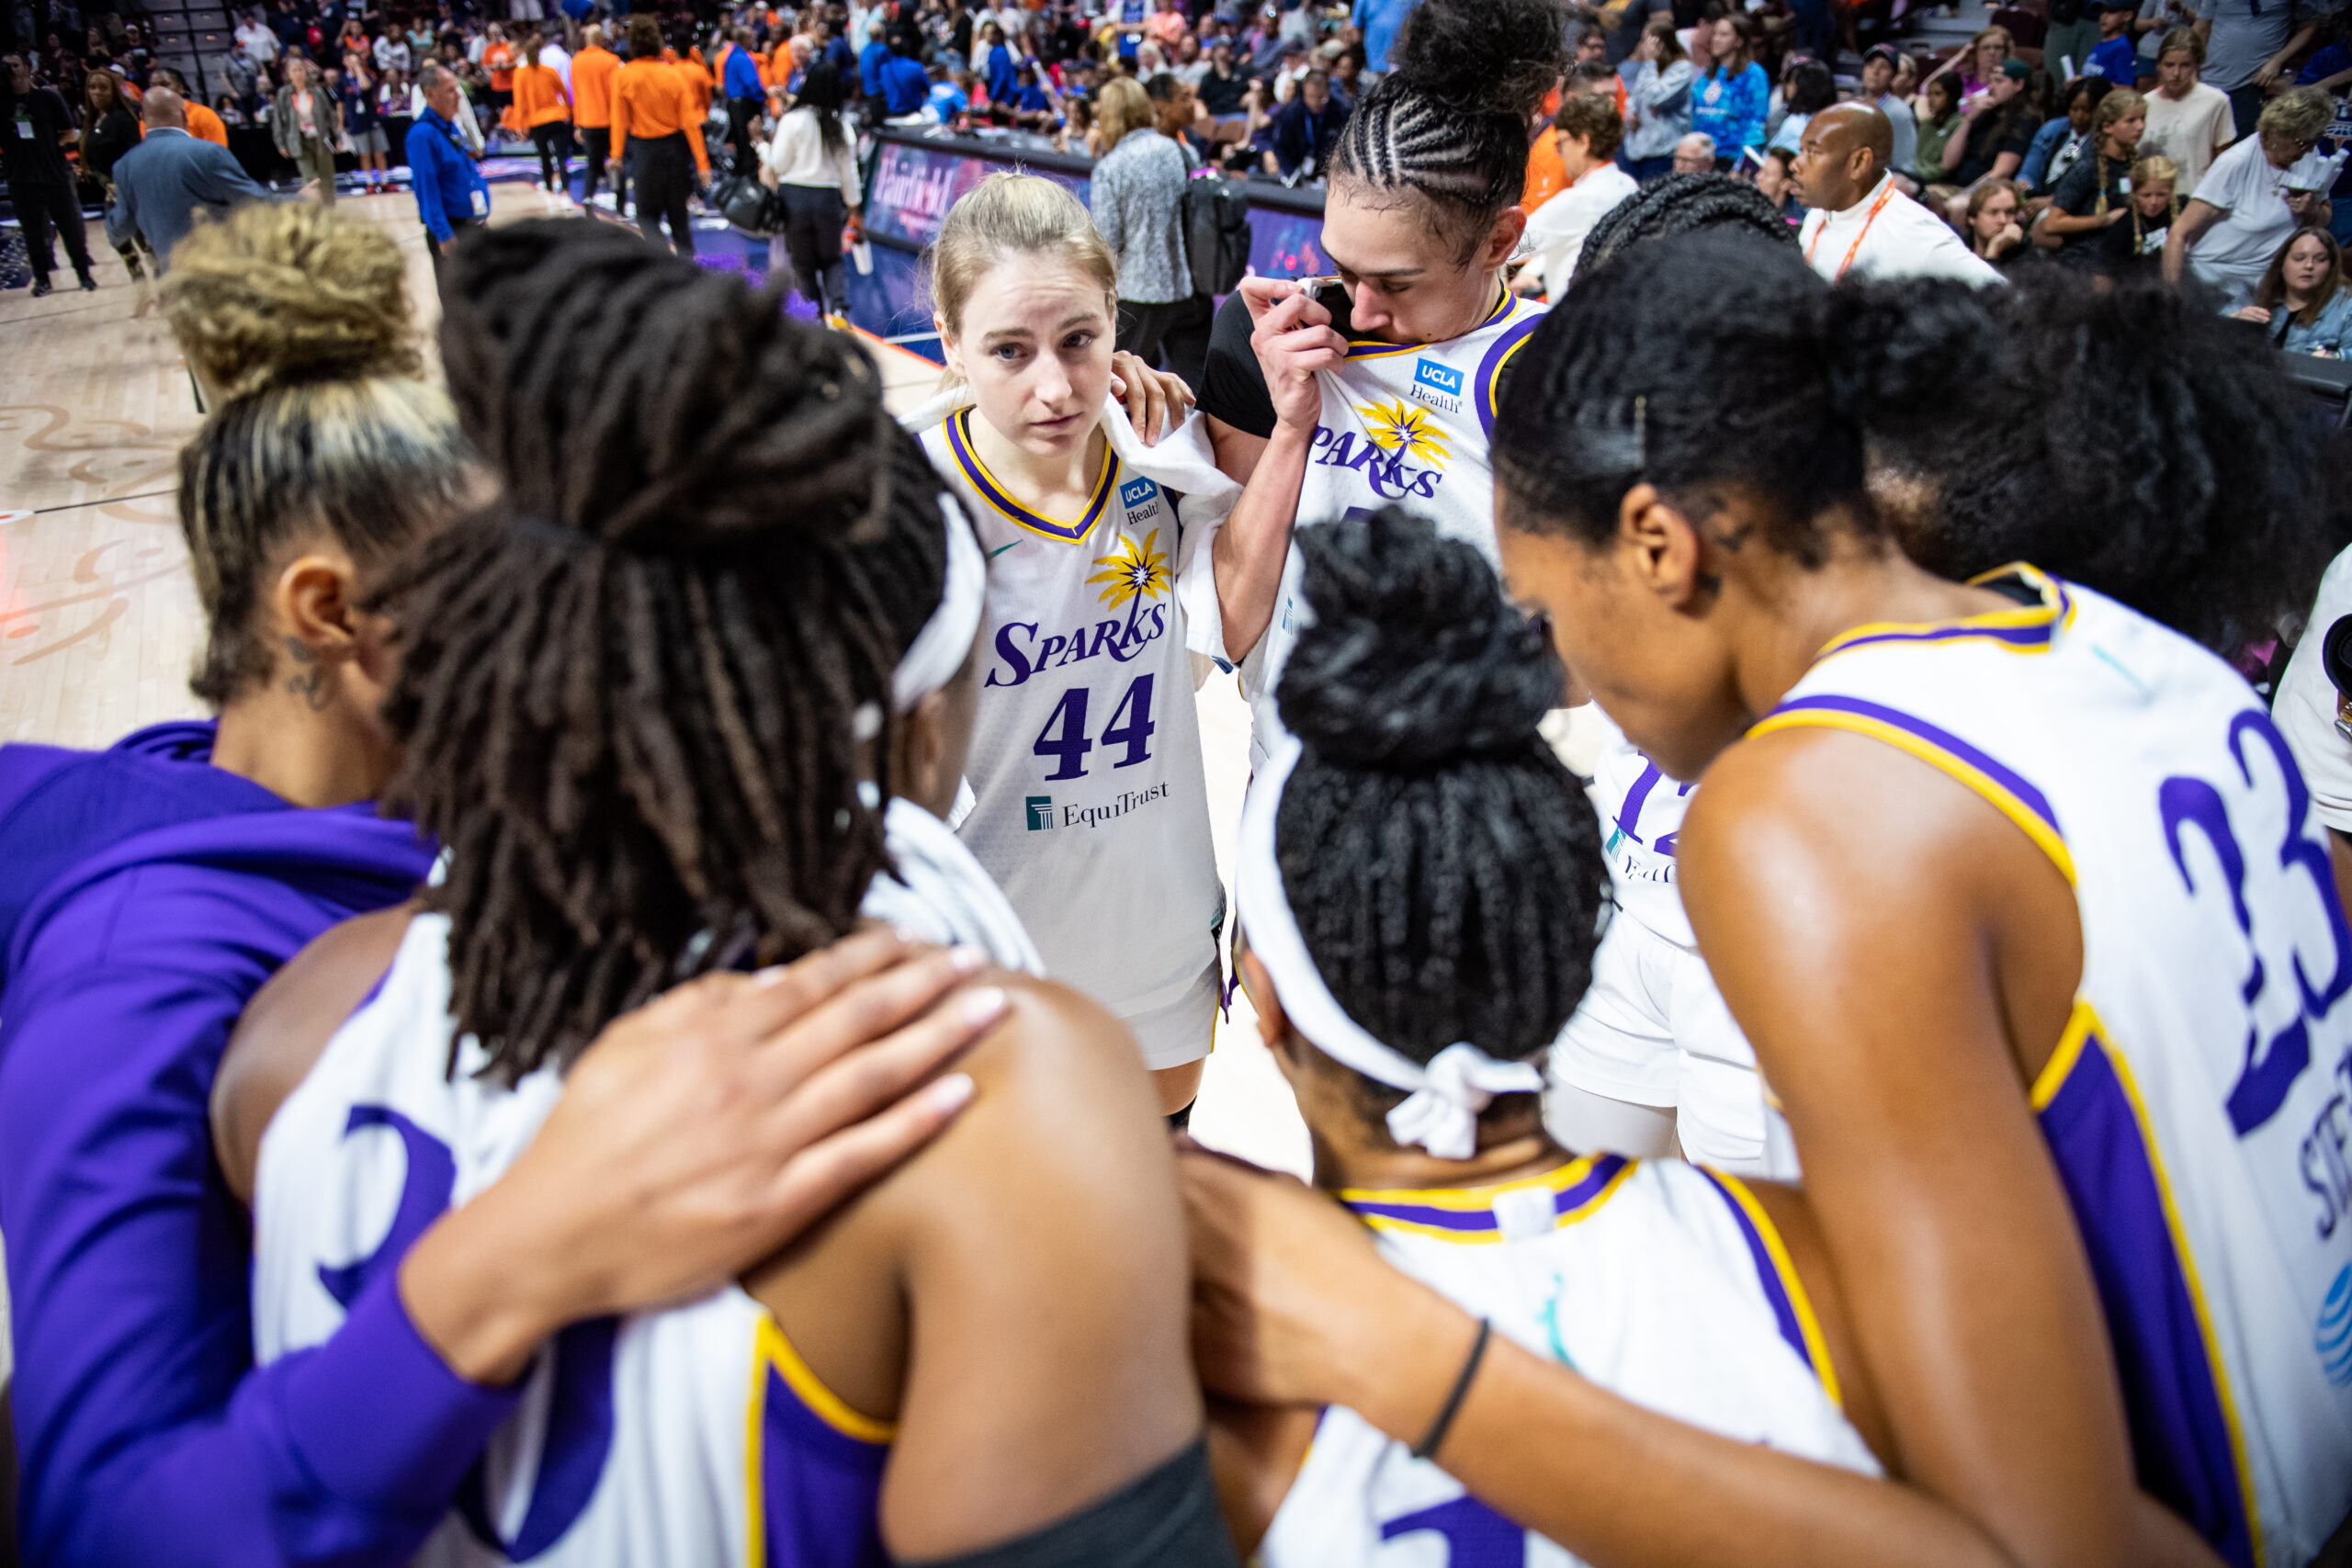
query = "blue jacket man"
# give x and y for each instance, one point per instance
(159, 184)
(743, 76)
(906, 85)
(452, 195)
(869, 67)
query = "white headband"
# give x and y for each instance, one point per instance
(945, 640)
(1441, 1112)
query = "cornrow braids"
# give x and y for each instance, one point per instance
(1443, 866)
(1450, 122)
(1681, 204)
(634, 686)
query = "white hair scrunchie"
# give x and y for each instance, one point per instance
(1444, 1097)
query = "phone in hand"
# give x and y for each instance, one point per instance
(1333, 295)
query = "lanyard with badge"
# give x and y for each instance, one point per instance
(1855, 249)
(25, 124)
(479, 196)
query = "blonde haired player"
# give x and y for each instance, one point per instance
(1088, 806)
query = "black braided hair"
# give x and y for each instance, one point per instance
(1443, 866)
(2133, 440)
(1681, 204)
(1722, 361)
(628, 688)
(1450, 122)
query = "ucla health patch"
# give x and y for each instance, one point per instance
(1437, 384)
(1138, 493)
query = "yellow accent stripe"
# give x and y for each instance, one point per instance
(777, 1350)
(968, 459)
(756, 1512)
(1816, 1344)
(2002, 799)
(2039, 615)
(2069, 1050)
(1473, 1197)
(1495, 1237)
(2094, 1026)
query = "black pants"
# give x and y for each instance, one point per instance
(812, 238)
(458, 229)
(742, 114)
(599, 139)
(665, 177)
(554, 155)
(1175, 336)
(40, 208)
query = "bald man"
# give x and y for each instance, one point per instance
(1861, 222)
(159, 184)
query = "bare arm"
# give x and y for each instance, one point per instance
(2194, 219)
(2277, 63)
(1293, 339)
(1899, 1016)
(1032, 1266)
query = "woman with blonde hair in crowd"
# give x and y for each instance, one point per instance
(148, 891)
(2304, 300)
(1090, 808)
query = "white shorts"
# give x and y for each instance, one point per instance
(1654, 1031)
(1181, 1032)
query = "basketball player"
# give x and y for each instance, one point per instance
(1090, 804)
(666, 700)
(1325, 410)
(2063, 1011)
(1413, 784)
(149, 890)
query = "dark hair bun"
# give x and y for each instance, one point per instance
(1482, 56)
(1899, 348)
(1681, 204)
(1413, 659)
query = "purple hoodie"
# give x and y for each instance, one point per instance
(145, 896)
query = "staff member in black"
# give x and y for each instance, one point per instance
(33, 121)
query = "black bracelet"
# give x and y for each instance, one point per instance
(1453, 1405)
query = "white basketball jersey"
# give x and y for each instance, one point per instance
(1641, 813)
(1663, 1282)
(1091, 806)
(691, 1436)
(2196, 1106)
(1404, 424)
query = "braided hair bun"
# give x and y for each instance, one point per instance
(283, 293)
(1443, 866)
(1415, 659)
(1481, 56)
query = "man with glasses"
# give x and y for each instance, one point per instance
(2241, 212)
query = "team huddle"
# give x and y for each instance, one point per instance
(1884, 1114)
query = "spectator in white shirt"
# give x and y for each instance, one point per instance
(1586, 130)
(2188, 121)
(1861, 222)
(2240, 215)
(261, 44)
(391, 51)
(812, 164)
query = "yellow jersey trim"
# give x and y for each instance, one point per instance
(1816, 1344)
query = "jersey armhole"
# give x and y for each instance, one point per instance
(1784, 1291)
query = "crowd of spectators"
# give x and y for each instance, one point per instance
(2180, 136)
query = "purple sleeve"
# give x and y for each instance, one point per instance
(145, 1433)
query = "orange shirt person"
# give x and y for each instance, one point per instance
(539, 97)
(202, 124)
(653, 103)
(593, 70)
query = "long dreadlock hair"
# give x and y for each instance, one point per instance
(634, 685)
(1450, 122)
(1443, 866)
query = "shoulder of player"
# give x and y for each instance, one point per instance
(287, 1025)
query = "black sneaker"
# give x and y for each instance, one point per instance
(89, 284)
(41, 287)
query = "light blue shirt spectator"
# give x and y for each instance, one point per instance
(1731, 108)
(1380, 21)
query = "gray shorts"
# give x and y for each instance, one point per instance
(372, 140)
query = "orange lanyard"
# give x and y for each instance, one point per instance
(1855, 249)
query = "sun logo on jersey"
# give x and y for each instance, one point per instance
(1402, 431)
(1132, 573)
